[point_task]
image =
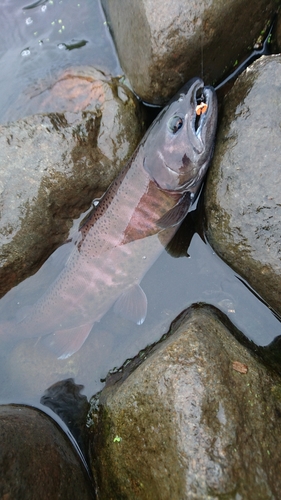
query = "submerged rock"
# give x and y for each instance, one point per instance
(52, 166)
(64, 398)
(30, 367)
(243, 197)
(82, 88)
(199, 418)
(174, 41)
(37, 460)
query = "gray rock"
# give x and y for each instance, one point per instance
(52, 166)
(161, 44)
(37, 459)
(199, 418)
(243, 197)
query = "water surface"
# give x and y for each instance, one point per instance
(38, 39)
(171, 285)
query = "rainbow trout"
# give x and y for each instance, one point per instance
(134, 221)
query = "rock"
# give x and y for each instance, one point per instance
(278, 35)
(37, 460)
(199, 418)
(174, 41)
(52, 166)
(243, 198)
(64, 398)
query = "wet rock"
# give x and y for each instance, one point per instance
(52, 166)
(174, 41)
(199, 418)
(243, 198)
(64, 398)
(37, 460)
(278, 35)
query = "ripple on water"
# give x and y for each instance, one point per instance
(38, 39)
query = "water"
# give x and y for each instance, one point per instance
(36, 41)
(39, 38)
(171, 285)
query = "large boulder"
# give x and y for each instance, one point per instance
(161, 44)
(243, 196)
(37, 459)
(199, 418)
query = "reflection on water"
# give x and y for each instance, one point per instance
(39, 38)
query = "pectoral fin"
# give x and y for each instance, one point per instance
(66, 342)
(132, 304)
(177, 213)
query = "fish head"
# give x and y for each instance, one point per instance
(179, 144)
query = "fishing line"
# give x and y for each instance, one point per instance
(202, 63)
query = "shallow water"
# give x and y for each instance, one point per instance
(171, 285)
(39, 38)
(32, 48)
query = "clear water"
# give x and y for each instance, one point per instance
(171, 285)
(39, 38)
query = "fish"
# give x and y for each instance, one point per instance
(124, 235)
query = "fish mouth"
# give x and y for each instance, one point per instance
(200, 97)
(199, 121)
(202, 107)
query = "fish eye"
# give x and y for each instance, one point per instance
(175, 123)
